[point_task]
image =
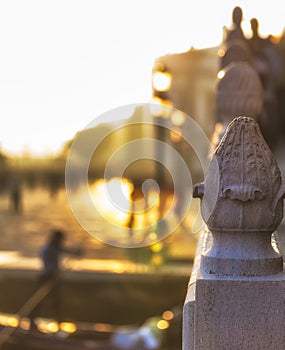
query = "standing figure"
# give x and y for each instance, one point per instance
(51, 254)
(267, 63)
(131, 219)
(235, 32)
(15, 194)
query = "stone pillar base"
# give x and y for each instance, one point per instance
(233, 313)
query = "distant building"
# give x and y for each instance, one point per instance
(193, 85)
(192, 91)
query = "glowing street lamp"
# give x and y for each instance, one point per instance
(162, 107)
(161, 81)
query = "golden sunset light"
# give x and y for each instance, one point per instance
(64, 63)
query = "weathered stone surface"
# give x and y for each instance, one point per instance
(250, 191)
(236, 294)
(236, 313)
(242, 203)
(238, 51)
(239, 93)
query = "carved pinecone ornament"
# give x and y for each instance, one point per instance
(243, 187)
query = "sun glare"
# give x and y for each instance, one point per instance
(115, 71)
(112, 199)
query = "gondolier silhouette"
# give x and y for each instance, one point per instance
(51, 254)
(50, 277)
(49, 282)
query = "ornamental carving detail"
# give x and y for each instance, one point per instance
(249, 189)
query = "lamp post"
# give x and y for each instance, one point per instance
(161, 86)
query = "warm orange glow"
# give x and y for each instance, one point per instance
(114, 266)
(276, 38)
(13, 321)
(102, 194)
(153, 198)
(68, 327)
(221, 53)
(52, 327)
(162, 324)
(152, 216)
(157, 259)
(176, 135)
(118, 268)
(120, 77)
(161, 108)
(168, 315)
(9, 256)
(45, 326)
(152, 236)
(25, 324)
(178, 117)
(221, 74)
(161, 81)
(157, 247)
(103, 327)
(9, 320)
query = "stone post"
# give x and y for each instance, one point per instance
(236, 294)
(239, 92)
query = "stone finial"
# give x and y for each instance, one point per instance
(236, 51)
(242, 203)
(239, 92)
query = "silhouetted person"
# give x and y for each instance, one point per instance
(235, 32)
(267, 63)
(131, 225)
(256, 42)
(280, 47)
(267, 49)
(51, 254)
(131, 219)
(15, 194)
(235, 44)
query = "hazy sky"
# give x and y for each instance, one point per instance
(64, 62)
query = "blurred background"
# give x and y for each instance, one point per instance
(63, 64)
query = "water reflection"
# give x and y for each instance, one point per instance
(102, 298)
(43, 325)
(118, 198)
(132, 215)
(113, 199)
